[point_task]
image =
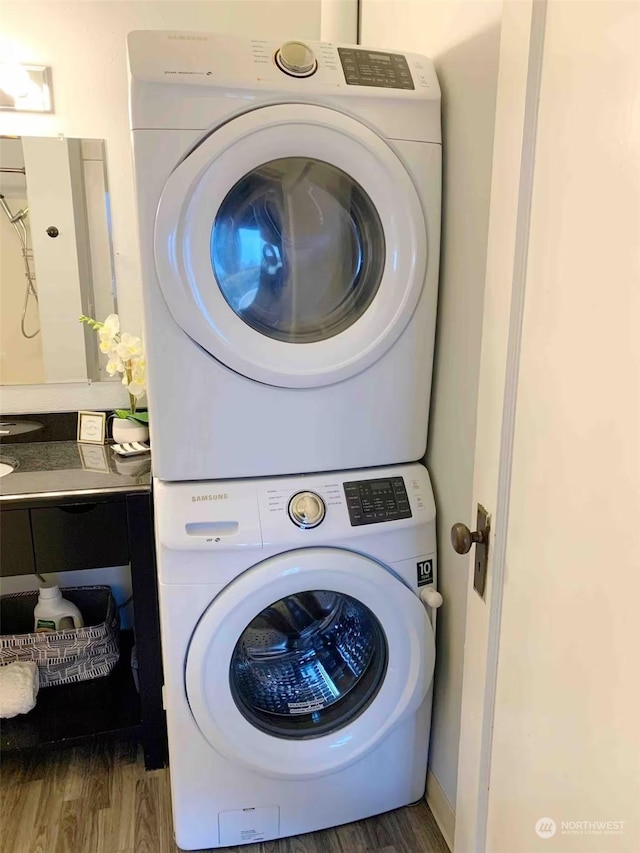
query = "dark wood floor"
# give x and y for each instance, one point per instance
(99, 799)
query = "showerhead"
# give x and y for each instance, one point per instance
(17, 220)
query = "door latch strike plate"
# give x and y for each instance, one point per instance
(483, 525)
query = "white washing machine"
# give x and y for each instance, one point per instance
(289, 220)
(298, 618)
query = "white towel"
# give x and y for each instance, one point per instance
(19, 685)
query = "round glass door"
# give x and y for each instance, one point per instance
(291, 245)
(298, 249)
(303, 663)
(308, 664)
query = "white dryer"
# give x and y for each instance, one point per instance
(289, 220)
(297, 623)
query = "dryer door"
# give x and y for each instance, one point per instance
(291, 245)
(305, 662)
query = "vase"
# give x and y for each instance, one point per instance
(123, 431)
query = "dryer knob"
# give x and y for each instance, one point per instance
(306, 509)
(296, 58)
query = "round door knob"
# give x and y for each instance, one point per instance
(296, 58)
(306, 509)
(462, 538)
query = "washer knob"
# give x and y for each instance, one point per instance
(306, 509)
(296, 58)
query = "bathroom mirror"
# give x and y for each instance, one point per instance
(56, 260)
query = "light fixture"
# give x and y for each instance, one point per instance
(25, 88)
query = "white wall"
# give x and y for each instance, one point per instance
(462, 36)
(84, 43)
(339, 21)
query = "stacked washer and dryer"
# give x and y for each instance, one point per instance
(289, 218)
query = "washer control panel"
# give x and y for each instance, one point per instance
(372, 501)
(277, 513)
(375, 68)
(306, 509)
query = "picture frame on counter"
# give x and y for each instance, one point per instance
(92, 427)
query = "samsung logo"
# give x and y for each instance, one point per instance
(220, 497)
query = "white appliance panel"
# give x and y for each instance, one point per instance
(258, 429)
(223, 766)
(170, 71)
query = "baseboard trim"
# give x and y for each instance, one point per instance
(441, 809)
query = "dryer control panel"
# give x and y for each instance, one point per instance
(372, 501)
(375, 68)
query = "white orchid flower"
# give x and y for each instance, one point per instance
(136, 390)
(125, 355)
(139, 371)
(130, 346)
(111, 326)
(138, 384)
(114, 365)
(105, 344)
(109, 333)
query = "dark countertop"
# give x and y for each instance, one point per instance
(64, 468)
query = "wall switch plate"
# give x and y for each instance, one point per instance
(483, 525)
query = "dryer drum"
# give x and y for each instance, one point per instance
(298, 250)
(308, 664)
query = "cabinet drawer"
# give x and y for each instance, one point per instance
(80, 536)
(16, 550)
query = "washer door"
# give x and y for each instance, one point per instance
(291, 245)
(305, 662)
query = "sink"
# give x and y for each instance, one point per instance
(7, 465)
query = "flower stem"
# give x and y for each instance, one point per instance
(132, 399)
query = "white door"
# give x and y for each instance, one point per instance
(307, 661)
(549, 752)
(291, 245)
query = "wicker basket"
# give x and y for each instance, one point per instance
(75, 654)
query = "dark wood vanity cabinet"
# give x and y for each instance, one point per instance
(75, 536)
(70, 532)
(63, 538)
(16, 547)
